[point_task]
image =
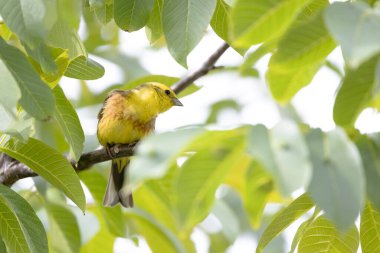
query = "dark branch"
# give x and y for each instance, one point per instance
(12, 170)
(206, 67)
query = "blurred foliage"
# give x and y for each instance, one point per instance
(226, 184)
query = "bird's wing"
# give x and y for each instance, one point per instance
(110, 94)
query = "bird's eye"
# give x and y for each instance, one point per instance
(167, 92)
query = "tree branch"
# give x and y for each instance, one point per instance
(12, 170)
(206, 67)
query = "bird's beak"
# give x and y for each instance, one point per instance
(176, 102)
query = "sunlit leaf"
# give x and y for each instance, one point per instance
(354, 93)
(259, 186)
(153, 198)
(202, 173)
(103, 10)
(220, 19)
(20, 228)
(61, 59)
(284, 218)
(322, 236)
(49, 164)
(159, 238)
(370, 229)
(300, 53)
(254, 22)
(256, 55)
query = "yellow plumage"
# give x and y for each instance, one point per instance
(126, 117)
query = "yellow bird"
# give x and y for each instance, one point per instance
(126, 117)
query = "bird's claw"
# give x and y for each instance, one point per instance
(112, 151)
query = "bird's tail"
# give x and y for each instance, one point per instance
(114, 194)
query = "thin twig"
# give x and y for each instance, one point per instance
(206, 67)
(12, 170)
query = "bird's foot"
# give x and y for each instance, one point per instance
(113, 150)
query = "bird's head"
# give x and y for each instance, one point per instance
(166, 96)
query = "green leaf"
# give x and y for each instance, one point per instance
(85, 69)
(300, 232)
(228, 218)
(131, 15)
(61, 59)
(103, 10)
(42, 54)
(2, 246)
(355, 92)
(21, 17)
(49, 164)
(20, 228)
(322, 236)
(300, 53)
(103, 241)
(64, 37)
(370, 152)
(370, 229)
(9, 91)
(68, 121)
(64, 233)
(219, 107)
(258, 21)
(220, 20)
(306, 43)
(337, 185)
(256, 55)
(167, 80)
(19, 128)
(285, 83)
(352, 25)
(153, 27)
(113, 217)
(184, 23)
(69, 11)
(159, 238)
(154, 198)
(284, 218)
(36, 97)
(283, 152)
(302, 229)
(202, 173)
(259, 185)
(152, 158)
